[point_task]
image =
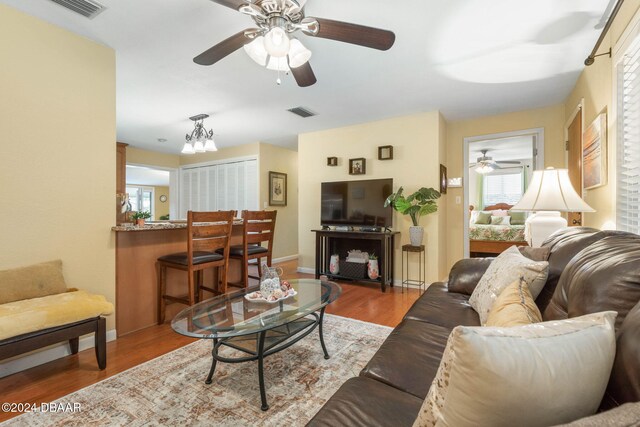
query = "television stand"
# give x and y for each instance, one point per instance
(380, 243)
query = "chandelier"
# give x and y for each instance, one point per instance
(201, 139)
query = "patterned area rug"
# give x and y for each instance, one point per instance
(170, 390)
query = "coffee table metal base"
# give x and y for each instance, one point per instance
(265, 343)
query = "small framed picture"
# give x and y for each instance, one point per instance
(357, 166)
(332, 161)
(594, 153)
(385, 152)
(277, 189)
(443, 179)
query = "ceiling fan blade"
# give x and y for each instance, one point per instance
(509, 162)
(233, 4)
(374, 38)
(304, 75)
(222, 49)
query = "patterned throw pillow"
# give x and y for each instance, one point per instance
(514, 307)
(508, 267)
(500, 220)
(483, 218)
(535, 375)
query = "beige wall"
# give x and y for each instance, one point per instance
(595, 86)
(160, 208)
(278, 159)
(416, 142)
(137, 156)
(549, 118)
(59, 88)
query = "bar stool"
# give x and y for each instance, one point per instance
(208, 237)
(257, 227)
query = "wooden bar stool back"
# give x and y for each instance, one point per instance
(258, 227)
(208, 237)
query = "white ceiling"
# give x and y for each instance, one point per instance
(141, 175)
(513, 148)
(467, 58)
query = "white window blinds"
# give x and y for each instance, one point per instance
(628, 139)
(502, 188)
(226, 186)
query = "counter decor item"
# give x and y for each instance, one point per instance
(140, 217)
(372, 270)
(334, 266)
(420, 203)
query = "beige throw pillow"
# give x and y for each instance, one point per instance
(34, 281)
(508, 267)
(514, 307)
(536, 375)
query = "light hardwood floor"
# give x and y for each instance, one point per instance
(48, 382)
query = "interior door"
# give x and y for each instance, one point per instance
(574, 148)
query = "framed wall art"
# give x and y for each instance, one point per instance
(277, 189)
(358, 166)
(385, 152)
(594, 153)
(443, 179)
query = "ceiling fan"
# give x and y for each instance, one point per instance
(486, 164)
(271, 46)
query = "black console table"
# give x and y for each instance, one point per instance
(330, 242)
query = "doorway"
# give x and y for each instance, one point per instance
(498, 168)
(151, 189)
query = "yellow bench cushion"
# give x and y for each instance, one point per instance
(35, 314)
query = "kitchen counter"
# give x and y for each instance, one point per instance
(154, 226)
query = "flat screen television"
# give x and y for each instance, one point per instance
(356, 203)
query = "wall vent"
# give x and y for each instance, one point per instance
(302, 112)
(86, 8)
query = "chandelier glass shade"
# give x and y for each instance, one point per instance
(269, 53)
(200, 140)
(276, 42)
(485, 168)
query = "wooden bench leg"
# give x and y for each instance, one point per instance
(101, 343)
(74, 344)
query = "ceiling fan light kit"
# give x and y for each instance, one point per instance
(200, 140)
(271, 45)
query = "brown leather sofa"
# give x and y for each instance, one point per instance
(589, 271)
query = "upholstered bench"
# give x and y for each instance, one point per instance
(37, 309)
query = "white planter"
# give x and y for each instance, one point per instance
(372, 269)
(334, 264)
(415, 235)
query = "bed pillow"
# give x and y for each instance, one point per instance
(500, 220)
(508, 267)
(535, 375)
(518, 218)
(473, 216)
(499, 212)
(514, 307)
(483, 218)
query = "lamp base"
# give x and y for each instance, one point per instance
(541, 225)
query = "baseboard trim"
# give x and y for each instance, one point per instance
(277, 260)
(306, 270)
(39, 357)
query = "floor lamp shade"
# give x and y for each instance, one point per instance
(550, 192)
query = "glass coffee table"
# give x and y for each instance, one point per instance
(258, 328)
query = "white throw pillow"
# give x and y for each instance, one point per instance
(535, 375)
(508, 267)
(500, 220)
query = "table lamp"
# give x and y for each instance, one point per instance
(550, 192)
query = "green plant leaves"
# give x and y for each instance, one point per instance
(418, 204)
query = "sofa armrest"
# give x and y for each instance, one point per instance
(466, 273)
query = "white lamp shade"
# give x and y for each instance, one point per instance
(485, 169)
(551, 190)
(188, 149)
(210, 145)
(198, 147)
(277, 43)
(298, 54)
(277, 64)
(256, 51)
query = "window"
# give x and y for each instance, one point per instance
(141, 198)
(628, 137)
(225, 186)
(502, 188)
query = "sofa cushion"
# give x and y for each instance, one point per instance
(534, 375)
(34, 281)
(466, 273)
(509, 266)
(409, 358)
(444, 308)
(365, 402)
(22, 317)
(514, 307)
(626, 415)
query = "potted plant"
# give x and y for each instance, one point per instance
(420, 203)
(140, 217)
(372, 270)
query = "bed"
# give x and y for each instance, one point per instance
(487, 239)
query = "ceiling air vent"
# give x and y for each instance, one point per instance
(302, 112)
(86, 8)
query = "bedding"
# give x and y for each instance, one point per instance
(503, 233)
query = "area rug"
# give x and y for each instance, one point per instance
(170, 390)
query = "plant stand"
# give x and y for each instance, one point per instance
(422, 267)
